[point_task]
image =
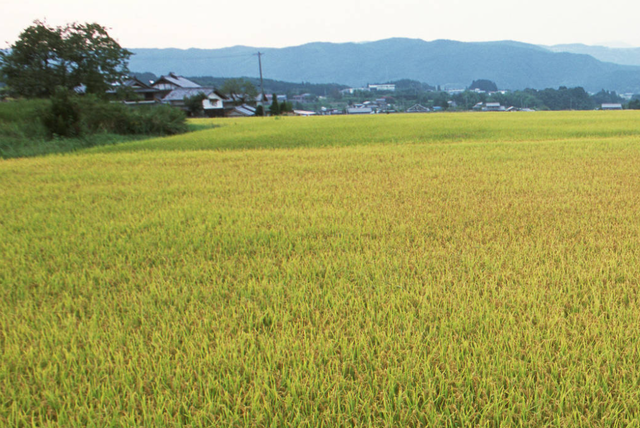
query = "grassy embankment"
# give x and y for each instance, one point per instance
(443, 270)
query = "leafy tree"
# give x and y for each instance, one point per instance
(603, 97)
(566, 98)
(275, 107)
(467, 99)
(194, 104)
(260, 110)
(634, 104)
(484, 85)
(286, 107)
(46, 57)
(240, 89)
(441, 99)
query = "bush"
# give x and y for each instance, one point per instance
(100, 116)
(74, 116)
(68, 122)
(62, 118)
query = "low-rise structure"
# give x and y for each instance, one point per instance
(215, 104)
(352, 91)
(172, 81)
(382, 87)
(359, 110)
(303, 98)
(611, 106)
(304, 113)
(243, 110)
(493, 107)
(418, 108)
(489, 107)
(135, 91)
(268, 99)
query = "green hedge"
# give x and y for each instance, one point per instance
(69, 122)
(100, 116)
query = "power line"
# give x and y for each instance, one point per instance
(216, 57)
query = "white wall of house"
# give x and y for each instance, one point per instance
(213, 101)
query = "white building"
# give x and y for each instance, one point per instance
(611, 106)
(382, 87)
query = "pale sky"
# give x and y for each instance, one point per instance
(279, 23)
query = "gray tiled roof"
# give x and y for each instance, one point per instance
(245, 110)
(179, 94)
(178, 81)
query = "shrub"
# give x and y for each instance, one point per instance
(116, 118)
(194, 104)
(62, 118)
(68, 122)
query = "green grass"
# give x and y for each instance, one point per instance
(438, 270)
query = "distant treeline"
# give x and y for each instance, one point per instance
(562, 98)
(412, 91)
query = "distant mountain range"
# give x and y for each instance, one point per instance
(512, 65)
(623, 56)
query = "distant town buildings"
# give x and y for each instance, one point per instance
(177, 91)
(390, 87)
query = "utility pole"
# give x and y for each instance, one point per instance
(260, 65)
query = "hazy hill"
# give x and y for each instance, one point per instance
(512, 65)
(625, 56)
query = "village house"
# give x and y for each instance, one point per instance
(172, 81)
(243, 110)
(214, 104)
(135, 91)
(352, 91)
(268, 99)
(324, 111)
(176, 97)
(303, 98)
(359, 110)
(493, 107)
(304, 113)
(489, 107)
(418, 108)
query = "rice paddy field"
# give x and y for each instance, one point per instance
(445, 270)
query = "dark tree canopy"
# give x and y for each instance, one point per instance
(275, 107)
(484, 85)
(240, 89)
(194, 104)
(75, 55)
